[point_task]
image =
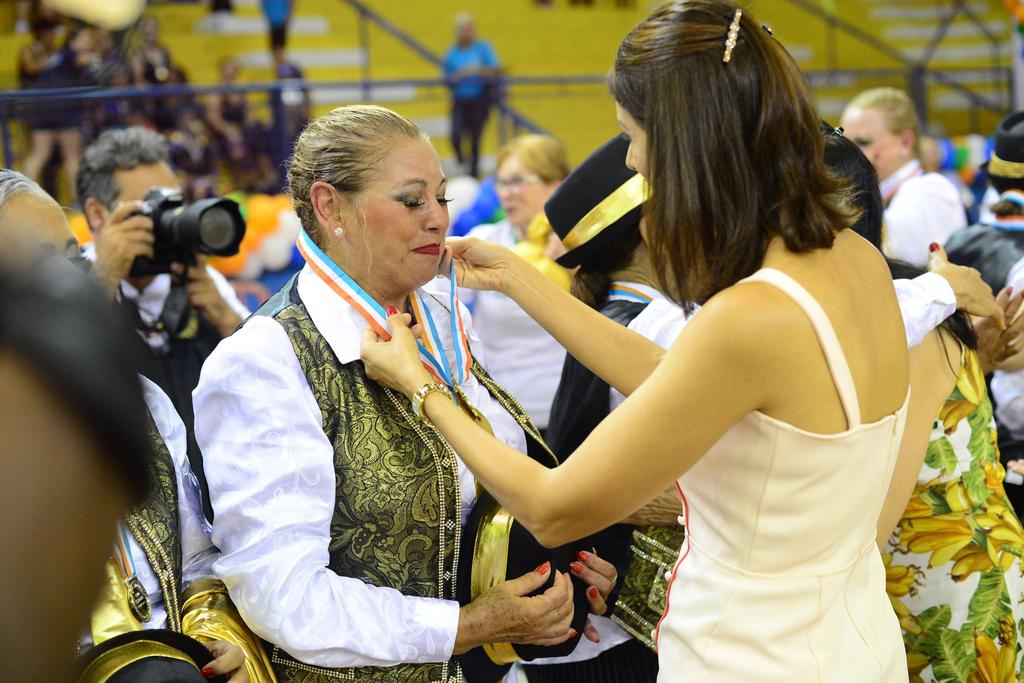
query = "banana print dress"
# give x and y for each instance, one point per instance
(953, 564)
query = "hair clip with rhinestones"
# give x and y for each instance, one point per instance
(730, 40)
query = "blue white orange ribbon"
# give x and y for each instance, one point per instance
(123, 559)
(1010, 223)
(431, 348)
(626, 292)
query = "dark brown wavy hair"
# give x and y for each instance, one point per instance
(734, 150)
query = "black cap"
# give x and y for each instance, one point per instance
(1006, 167)
(601, 175)
(148, 656)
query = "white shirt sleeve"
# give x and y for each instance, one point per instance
(197, 551)
(925, 302)
(227, 292)
(661, 322)
(926, 209)
(270, 470)
(1008, 393)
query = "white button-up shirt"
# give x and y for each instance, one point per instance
(272, 480)
(197, 552)
(925, 208)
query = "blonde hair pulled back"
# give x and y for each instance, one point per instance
(343, 148)
(897, 109)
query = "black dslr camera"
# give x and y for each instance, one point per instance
(210, 226)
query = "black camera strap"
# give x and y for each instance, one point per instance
(178, 317)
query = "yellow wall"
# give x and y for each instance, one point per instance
(560, 40)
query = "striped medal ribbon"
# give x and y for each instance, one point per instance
(138, 598)
(625, 291)
(1010, 223)
(432, 352)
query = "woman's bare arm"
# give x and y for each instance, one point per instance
(616, 354)
(931, 382)
(721, 368)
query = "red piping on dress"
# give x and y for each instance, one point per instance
(672, 580)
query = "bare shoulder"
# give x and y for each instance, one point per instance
(862, 254)
(746, 323)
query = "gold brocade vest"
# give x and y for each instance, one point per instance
(396, 521)
(154, 524)
(641, 601)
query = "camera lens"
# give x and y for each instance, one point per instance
(217, 228)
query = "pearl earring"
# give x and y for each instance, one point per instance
(338, 232)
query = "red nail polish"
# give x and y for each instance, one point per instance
(1009, 292)
(391, 310)
(572, 633)
(208, 672)
(934, 246)
(544, 568)
(583, 557)
(575, 567)
(592, 592)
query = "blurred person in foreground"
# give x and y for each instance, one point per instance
(180, 316)
(158, 579)
(520, 353)
(74, 444)
(920, 208)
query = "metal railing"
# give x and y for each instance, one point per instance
(509, 118)
(916, 73)
(510, 123)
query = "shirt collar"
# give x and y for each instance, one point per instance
(902, 175)
(342, 325)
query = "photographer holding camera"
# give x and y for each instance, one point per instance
(182, 307)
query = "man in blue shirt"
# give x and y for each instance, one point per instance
(470, 69)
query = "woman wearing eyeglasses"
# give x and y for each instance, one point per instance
(521, 356)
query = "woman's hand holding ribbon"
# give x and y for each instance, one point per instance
(480, 264)
(395, 363)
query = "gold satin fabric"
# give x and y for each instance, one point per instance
(490, 561)
(624, 199)
(207, 614)
(112, 614)
(109, 663)
(1005, 169)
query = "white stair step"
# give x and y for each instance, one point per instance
(936, 13)
(435, 126)
(954, 55)
(801, 53)
(342, 57)
(233, 25)
(960, 29)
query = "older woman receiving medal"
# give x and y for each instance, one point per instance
(338, 510)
